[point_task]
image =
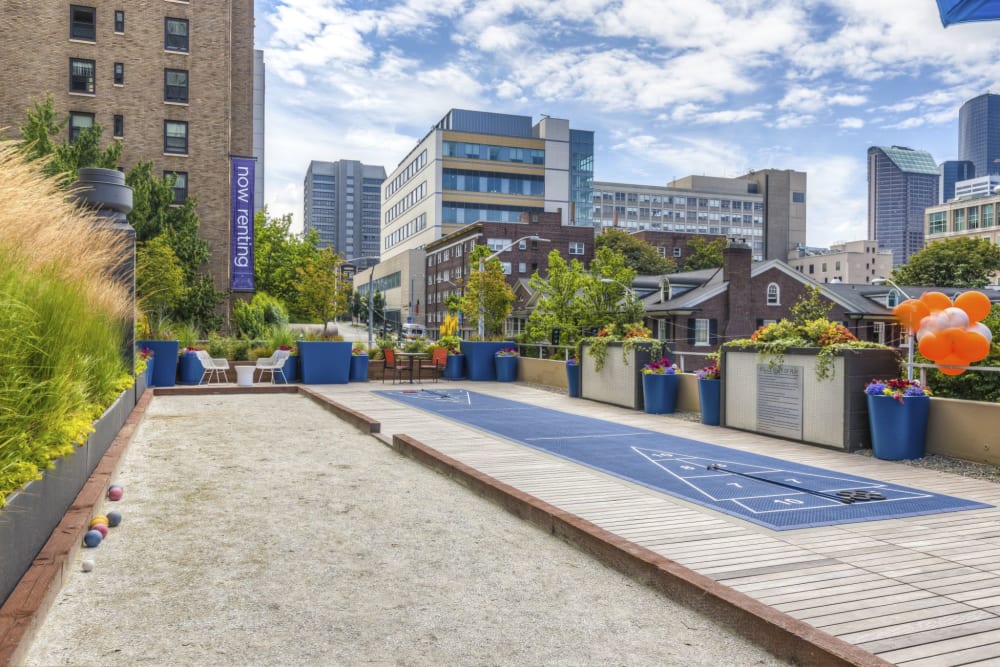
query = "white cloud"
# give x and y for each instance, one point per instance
(793, 120)
(680, 156)
(731, 115)
(836, 200)
(850, 123)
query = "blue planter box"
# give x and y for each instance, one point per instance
(359, 368)
(325, 362)
(659, 393)
(165, 364)
(506, 368)
(191, 368)
(455, 367)
(573, 380)
(709, 396)
(899, 429)
(150, 365)
(291, 371)
(479, 357)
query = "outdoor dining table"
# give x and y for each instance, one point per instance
(413, 357)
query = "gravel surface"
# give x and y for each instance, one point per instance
(261, 530)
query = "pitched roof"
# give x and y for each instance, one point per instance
(909, 160)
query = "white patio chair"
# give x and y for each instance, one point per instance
(212, 366)
(273, 364)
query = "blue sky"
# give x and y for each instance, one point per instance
(670, 87)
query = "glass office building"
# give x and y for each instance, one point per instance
(979, 134)
(902, 183)
(342, 201)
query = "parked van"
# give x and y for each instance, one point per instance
(412, 331)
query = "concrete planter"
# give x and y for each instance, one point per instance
(30, 515)
(789, 401)
(619, 381)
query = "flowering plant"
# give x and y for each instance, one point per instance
(897, 388)
(358, 349)
(191, 349)
(572, 361)
(145, 354)
(507, 352)
(710, 372)
(661, 367)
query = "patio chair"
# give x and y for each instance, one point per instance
(216, 367)
(273, 364)
(391, 366)
(436, 364)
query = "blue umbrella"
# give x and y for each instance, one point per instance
(964, 11)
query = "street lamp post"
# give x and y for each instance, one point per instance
(909, 334)
(482, 268)
(370, 304)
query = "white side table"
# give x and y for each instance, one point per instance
(244, 375)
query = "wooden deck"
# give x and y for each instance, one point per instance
(918, 591)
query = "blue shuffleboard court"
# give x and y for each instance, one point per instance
(767, 491)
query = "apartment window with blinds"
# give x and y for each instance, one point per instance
(175, 85)
(81, 76)
(175, 137)
(118, 125)
(83, 23)
(79, 121)
(176, 35)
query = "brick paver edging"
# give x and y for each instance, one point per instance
(779, 633)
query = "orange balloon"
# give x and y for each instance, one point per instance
(952, 360)
(975, 304)
(933, 346)
(910, 313)
(936, 300)
(953, 338)
(975, 346)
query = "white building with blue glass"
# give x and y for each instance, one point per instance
(482, 166)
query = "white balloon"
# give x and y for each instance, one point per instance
(928, 324)
(982, 330)
(955, 317)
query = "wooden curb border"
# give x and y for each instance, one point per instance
(777, 632)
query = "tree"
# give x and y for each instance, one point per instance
(65, 159)
(705, 254)
(159, 278)
(639, 255)
(607, 296)
(487, 288)
(558, 304)
(278, 254)
(811, 306)
(956, 262)
(321, 296)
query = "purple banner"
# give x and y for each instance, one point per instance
(241, 224)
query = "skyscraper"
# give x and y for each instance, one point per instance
(953, 171)
(342, 202)
(482, 166)
(172, 81)
(902, 182)
(979, 133)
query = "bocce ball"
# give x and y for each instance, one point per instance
(102, 529)
(115, 492)
(114, 518)
(87, 565)
(92, 538)
(100, 518)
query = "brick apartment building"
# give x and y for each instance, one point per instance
(448, 264)
(171, 79)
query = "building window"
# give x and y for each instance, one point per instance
(701, 332)
(118, 125)
(175, 37)
(175, 137)
(81, 76)
(83, 22)
(175, 85)
(522, 267)
(798, 198)
(119, 21)
(576, 247)
(119, 74)
(677, 251)
(79, 121)
(773, 295)
(178, 180)
(878, 332)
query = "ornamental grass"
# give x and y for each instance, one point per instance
(62, 322)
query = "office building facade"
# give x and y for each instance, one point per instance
(979, 133)
(478, 166)
(855, 262)
(172, 81)
(765, 209)
(902, 183)
(952, 172)
(342, 201)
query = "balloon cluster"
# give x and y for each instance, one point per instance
(948, 333)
